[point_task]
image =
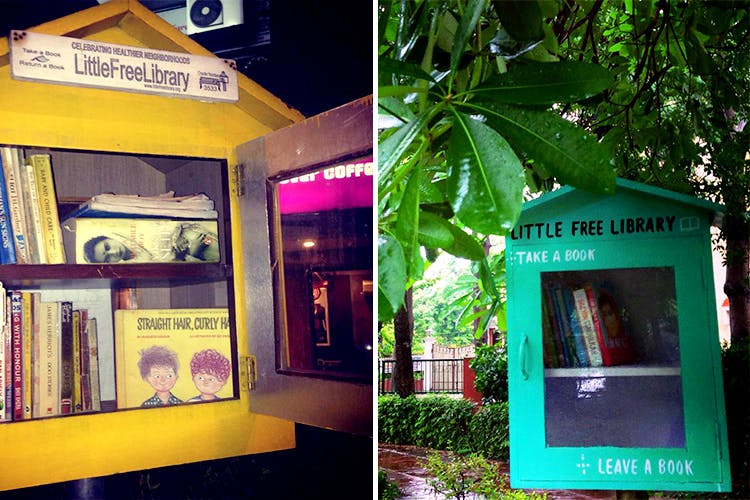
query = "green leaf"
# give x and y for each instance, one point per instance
(546, 83)
(485, 177)
(464, 245)
(407, 225)
(391, 276)
(522, 19)
(565, 150)
(434, 231)
(465, 30)
(390, 67)
(392, 149)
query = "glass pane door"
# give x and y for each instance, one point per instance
(611, 357)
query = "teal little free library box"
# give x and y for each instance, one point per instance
(614, 362)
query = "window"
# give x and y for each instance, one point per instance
(323, 248)
(612, 359)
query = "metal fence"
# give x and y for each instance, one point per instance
(430, 376)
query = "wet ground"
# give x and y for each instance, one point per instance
(403, 466)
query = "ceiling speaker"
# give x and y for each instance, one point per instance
(206, 15)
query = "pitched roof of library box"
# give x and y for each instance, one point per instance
(127, 22)
(577, 197)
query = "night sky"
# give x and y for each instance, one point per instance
(320, 55)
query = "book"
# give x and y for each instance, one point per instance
(575, 327)
(47, 199)
(549, 351)
(166, 205)
(8, 340)
(554, 325)
(585, 320)
(28, 381)
(77, 394)
(49, 316)
(17, 213)
(16, 314)
(7, 243)
(125, 241)
(172, 356)
(615, 344)
(66, 357)
(31, 329)
(565, 342)
(93, 363)
(4, 360)
(34, 230)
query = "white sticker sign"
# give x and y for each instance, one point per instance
(87, 63)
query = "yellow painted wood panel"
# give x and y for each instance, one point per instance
(68, 448)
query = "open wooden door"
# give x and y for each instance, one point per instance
(305, 198)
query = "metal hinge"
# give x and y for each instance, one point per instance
(239, 180)
(248, 372)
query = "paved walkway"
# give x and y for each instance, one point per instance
(402, 464)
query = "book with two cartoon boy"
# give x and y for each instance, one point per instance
(172, 356)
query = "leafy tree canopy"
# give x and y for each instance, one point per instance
(482, 100)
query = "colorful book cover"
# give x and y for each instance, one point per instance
(45, 184)
(7, 243)
(172, 356)
(125, 241)
(17, 214)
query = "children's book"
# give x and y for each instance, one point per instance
(172, 356)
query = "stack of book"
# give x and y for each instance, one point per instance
(582, 327)
(30, 230)
(123, 229)
(49, 362)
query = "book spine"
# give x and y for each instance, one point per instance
(35, 214)
(77, 402)
(85, 362)
(3, 362)
(52, 232)
(16, 209)
(27, 357)
(16, 313)
(575, 327)
(549, 355)
(49, 326)
(594, 307)
(93, 341)
(66, 357)
(555, 324)
(7, 245)
(36, 349)
(8, 340)
(587, 327)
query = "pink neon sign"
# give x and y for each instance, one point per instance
(341, 186)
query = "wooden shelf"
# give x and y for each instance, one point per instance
(613, 371)
(69, 274)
